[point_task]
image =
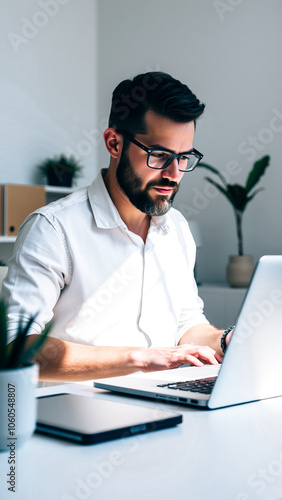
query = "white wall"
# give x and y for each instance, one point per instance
(231, 58)
(48, 85)
(57, 79)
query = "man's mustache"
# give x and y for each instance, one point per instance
(163, 183)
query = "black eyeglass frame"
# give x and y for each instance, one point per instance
(199, 156)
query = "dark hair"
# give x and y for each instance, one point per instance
(155, 91)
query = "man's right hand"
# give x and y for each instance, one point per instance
(166, 358)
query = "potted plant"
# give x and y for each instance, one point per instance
(18, 381)
(60, 170)
(240, 266)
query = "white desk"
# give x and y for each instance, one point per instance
(228, 454)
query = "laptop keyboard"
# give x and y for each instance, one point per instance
(203, 385)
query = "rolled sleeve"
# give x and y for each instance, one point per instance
(190, 316)
(39, 269)
(192, 312)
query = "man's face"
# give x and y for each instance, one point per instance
(152, 191)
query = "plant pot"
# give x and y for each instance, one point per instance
(17, 406)
(60, 177)
(239, 270)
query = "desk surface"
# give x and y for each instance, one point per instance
(228, 454)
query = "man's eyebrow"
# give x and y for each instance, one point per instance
(163, 148)
(159, 146)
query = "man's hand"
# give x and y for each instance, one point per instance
(165, 358)
(205, 334)
(62, 361)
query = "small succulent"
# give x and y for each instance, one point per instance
(59, 166)
(15, 355)
(239, 196)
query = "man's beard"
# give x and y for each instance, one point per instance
(131, 184)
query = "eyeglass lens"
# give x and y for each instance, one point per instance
(161, 159)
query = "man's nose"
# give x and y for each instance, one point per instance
(172, 171)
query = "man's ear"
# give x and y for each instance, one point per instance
(113, 142)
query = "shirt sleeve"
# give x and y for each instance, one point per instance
(192, 312)
(39, 269)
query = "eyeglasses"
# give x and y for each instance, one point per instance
(162, 158)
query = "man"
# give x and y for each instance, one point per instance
(113, 263)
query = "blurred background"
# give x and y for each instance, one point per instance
(61, 59)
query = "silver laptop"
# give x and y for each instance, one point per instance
(252, 367)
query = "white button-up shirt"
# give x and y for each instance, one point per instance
(77, 260)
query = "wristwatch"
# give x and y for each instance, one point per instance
(223, 338)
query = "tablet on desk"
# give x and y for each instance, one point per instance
(90, 420)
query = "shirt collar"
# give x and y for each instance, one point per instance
(106, 214)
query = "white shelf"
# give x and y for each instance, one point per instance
(7, 239)
(59, 190)
(55, 190)
(221, 286)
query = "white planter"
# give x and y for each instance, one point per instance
(239, 270)
(18, 406)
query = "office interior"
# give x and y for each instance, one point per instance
(62, 59)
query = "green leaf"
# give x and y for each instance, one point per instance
(254, 193)
(256, 173)
(18, 344)
(239, 196)
(32, 350)
(15, 354)
(214, 171)
(220, 188)
(59, 164)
